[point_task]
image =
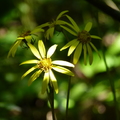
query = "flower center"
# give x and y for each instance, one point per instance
(84, 36)
(45, 64)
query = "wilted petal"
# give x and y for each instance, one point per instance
(29, 71)
(34, 51)
(64, 63)
(88, 26)
(34, 76)
(68, 44)
(85, 54)
(77, 53)
(51, 50)
(95, 37)
(63, 70)
(72, 48)
(30, 62)
(54, 81)
(45, 82)
(90, 53)
(41, 48)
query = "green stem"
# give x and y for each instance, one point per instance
(111, 81)
(68, 96)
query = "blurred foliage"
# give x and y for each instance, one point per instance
(90, 97)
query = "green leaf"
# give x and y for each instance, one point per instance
(54, 81)
(69, 30)
(61, 14)
(34, 77)
(88, 26)
(36, 30)
(30, 62)
(63, 70)
(45, 82)
(41, 48)
(34, 51)
(68, 44)
(29, 71)
(77, 29)
(43, 25)
(90, 54)
(72, 47)
(95, 49)
(95, 37)
(77, 53)
(63, 63)
(85, 54)
(51, 50)
(60, 22)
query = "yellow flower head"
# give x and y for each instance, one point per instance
(45, 64)
(82, 41)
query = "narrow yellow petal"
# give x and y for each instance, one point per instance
(95, 37)
(51, 50)
(68, 44)
(90, 53)
(30, 62)
(45, 82)
(88, 26)
(63, 70)
(77, 53)
(61, 14)
(36, 30)
(54, 81)
(41, 48)
(34, 51)
(61, 62)
(72, 48)
(34, 76)
(29, 71)
(85, 54)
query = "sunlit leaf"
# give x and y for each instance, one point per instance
(34, 51)
(90, 53)
(85, 54)
(54, 81)
(61, 14)
(95, 37)
(63, 63)
(41, 48)
(69, 30)
(72, 48)
(29, 71)
(88, 26)
(34, 76)
(51, 50)
(45, 82)
(68, 44)
(77, 53)
(30, 62)
(63, 70)
(77, 29)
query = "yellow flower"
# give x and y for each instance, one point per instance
(45, 64)
(24, 38)
(83, 41)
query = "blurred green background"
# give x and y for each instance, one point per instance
(91, 97)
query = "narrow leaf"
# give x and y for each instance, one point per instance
(90, 54)
(95, 37)
(61, 14)
(85, 54)
(88, 26)
(30, 62)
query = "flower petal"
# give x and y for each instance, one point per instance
(95, 49)
(34, 51)
(95, 37)
(51, 50)
(88, 26)
(36, 30)
(41, 48)
(29, 71)
(85, 54)
(68, 44)
(77, 53)
(61, 14)
(45, 82)
(30, 62)
(63, 70)
(64, 63)
(90, 53)
(34, 76)
(72, 48)
(54, 81)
